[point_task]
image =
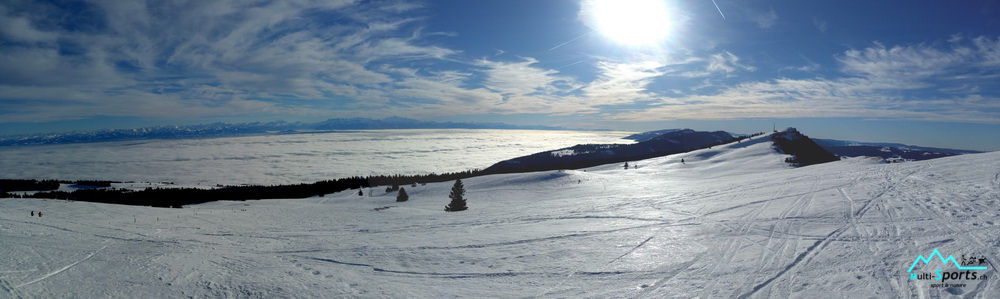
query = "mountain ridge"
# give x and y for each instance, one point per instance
(587, 155)
(887, 151)
(219, 129)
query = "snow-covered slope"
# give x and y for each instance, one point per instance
(731, 221)
(589, 155)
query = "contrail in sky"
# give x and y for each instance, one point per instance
(570, 41)
(569, 65)
(720, 10)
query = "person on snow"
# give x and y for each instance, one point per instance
(39, 213)
(682, 160)
(32, 213)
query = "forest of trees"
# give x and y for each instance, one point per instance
(177, 197)
(11, 185)
(804, 151)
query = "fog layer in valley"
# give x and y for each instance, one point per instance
(286, 159)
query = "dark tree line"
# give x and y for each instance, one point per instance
(27, 185)
(804, 151)
(177, 197)
(7, 185)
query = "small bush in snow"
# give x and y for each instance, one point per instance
(402, 195)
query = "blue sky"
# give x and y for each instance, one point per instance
(918, 72)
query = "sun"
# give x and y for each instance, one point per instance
(629, 22)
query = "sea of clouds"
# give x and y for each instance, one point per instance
(289, 158)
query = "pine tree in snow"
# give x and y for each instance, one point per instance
(457, 200)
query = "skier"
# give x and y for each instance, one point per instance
(32, 213)
(39, 214)
(682, 160)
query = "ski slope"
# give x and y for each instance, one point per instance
(732, 221)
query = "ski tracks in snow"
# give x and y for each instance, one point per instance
(670, 275)
(64, 268)
(770, 253)
(849, 207)
(996, 181)
(925, 203)
(631, 250)
(736, 240)
(798, 259)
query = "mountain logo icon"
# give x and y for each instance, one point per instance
(929, 258)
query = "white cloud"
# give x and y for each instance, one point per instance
(445, 93)
(203, 56)
(766, 20)
(522, 78)
(21, 29)
(877, 80)
(396, 48)
(879, 61)
(726, 62)
(988, 49)
(623, 82)
(821, 25)
(923, 65)
(811, 67)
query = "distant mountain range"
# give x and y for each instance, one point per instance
(887, 151)
(251, 128)
(406, 123)
(640, 137)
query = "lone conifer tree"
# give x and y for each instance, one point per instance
(402, 195)
(361, 193)
(457, 202)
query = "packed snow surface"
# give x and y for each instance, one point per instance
(732, 221)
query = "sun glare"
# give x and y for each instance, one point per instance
(630, 22)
